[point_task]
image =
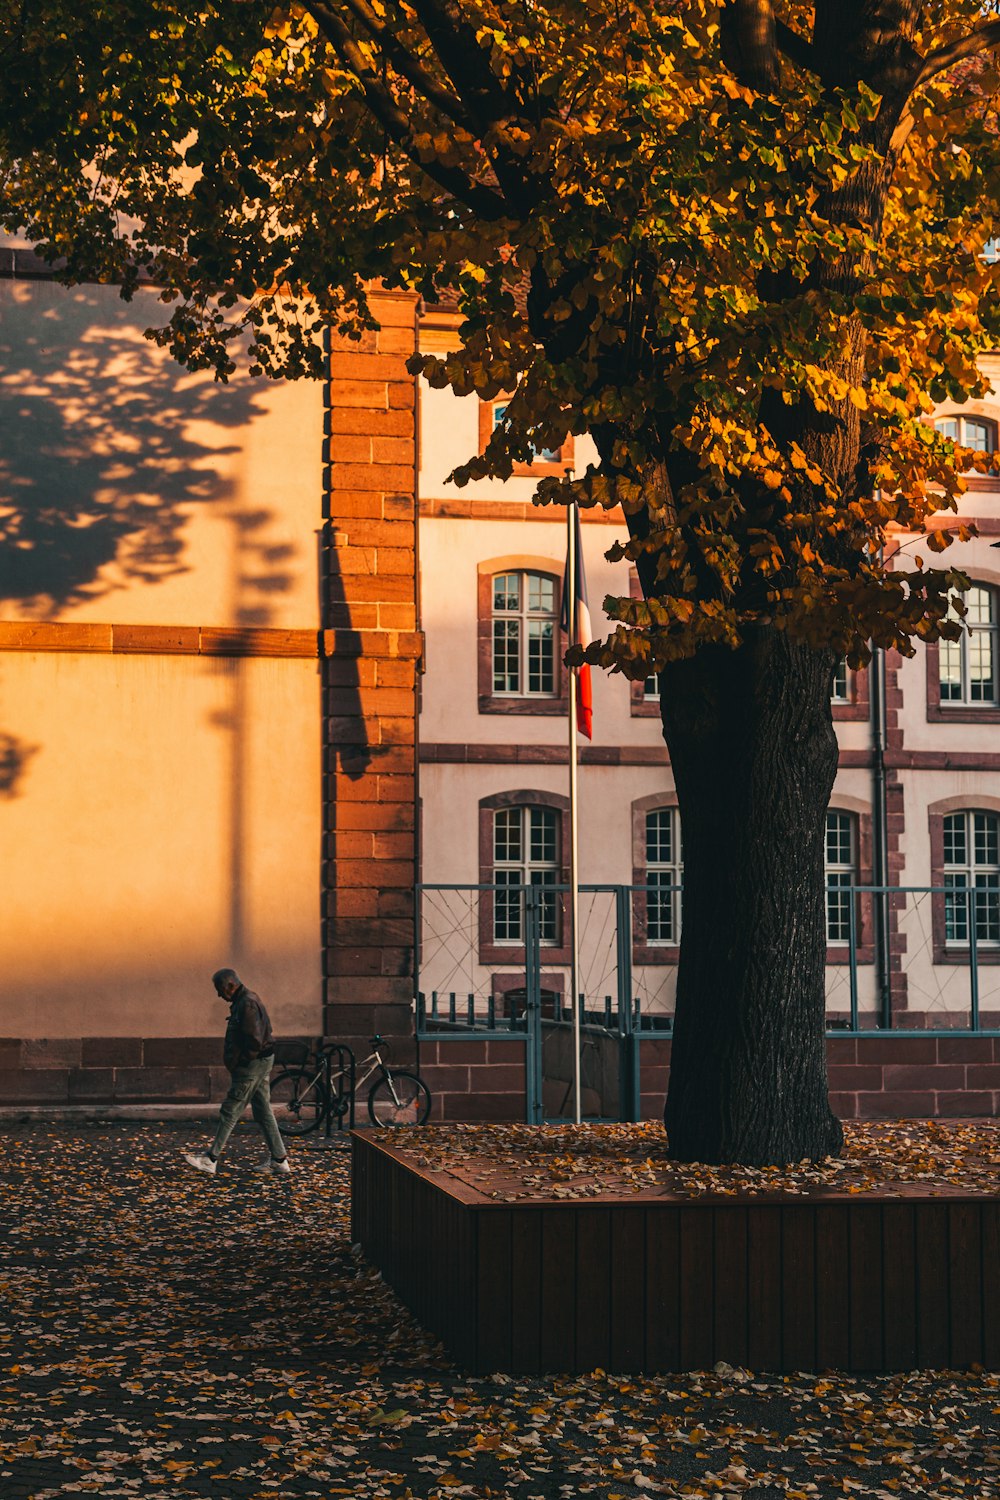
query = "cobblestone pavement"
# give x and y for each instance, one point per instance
(168, 1335)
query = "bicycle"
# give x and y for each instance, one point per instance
(302, 1098)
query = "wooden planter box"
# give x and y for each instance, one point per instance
(866, 1283)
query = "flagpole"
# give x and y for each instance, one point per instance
(574, 881)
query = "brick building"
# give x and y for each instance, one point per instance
(263, 670)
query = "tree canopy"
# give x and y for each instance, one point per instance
(740, 244)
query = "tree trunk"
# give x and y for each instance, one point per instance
(754, 755)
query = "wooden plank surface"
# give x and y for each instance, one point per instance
(593, 1275)
(764, 1282)
(965, 1284)
(896, 1283)
(991, 1285)
(899, 1287)
(730, 1285)
(628, 1290)
(559, 1289)
(798, 1288)
(662, 1315)
(933, 1311)
(493, 1296)
(526, 1291)
(697, 1321)
(865, 1280)
(832, 1304)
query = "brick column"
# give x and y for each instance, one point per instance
(372, 650)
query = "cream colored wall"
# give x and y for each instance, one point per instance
(166, 823)
(160, 816)
(449, 435)
(150, 495)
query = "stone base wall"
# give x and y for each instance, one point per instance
(888, 1077)
(482, 1079)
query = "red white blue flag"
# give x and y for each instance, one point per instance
(581, 634)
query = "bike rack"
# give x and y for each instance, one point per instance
(346, 1063)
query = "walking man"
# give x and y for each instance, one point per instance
(249, 1055)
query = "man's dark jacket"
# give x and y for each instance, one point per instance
(248, 1033)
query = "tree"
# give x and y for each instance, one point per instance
(740, 244)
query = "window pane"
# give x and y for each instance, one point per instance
(955, 847)
(507, 591)
(977, 434)
(950, 667)
(541, 594)
(659, 840)
(543, 835)
(987, 903)
(548, 906)
(507, 906)
(838, 839)
(660, 901)
(985, 840)
(981, 673)
(840, 689)
(507, 835)
(838, 906)
(956, 910)
(506, 663)
(979, 606)
(541, 639)
(499, 412)
(947, 427)
(651, 687)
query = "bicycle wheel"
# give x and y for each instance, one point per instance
(298, 1101)
(399, 1099)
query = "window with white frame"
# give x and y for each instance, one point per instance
(525, 852)
(543, 455)
(968, 667)
(840, 687)
(651, 688)
(664, 869)
(525, 623)
(841, 867)
(972, 877)
(968, 432)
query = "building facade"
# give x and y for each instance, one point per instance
(271, 688)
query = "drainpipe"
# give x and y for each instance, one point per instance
(880, 836)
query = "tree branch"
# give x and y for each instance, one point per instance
(796, 48)
(482, 200)
(980, 40)
(455, 42)
(407, 66)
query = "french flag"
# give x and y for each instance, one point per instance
(581, 635)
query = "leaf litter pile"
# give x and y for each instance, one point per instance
(166, 1335)
(517, 1163)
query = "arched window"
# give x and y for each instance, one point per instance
(525, 852)
(522, 836)
(967, 668)
(664, 869)
(971, 841)
(841, 874)
(544, 460)
(525, 625)
(977, 433)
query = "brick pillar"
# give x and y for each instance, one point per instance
(372, 650)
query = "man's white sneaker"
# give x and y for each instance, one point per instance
(271, 1165)
(200, 1162)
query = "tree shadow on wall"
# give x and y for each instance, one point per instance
(107, 447)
